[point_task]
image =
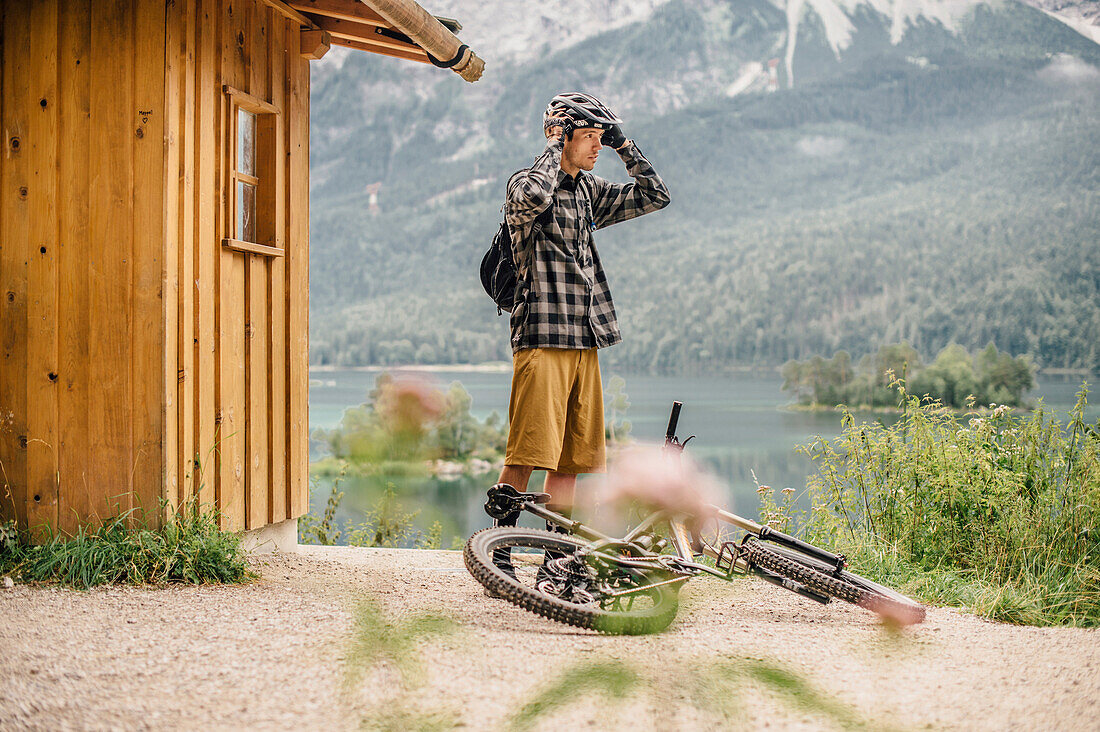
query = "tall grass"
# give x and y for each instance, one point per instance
(997, 512)
(189, 548)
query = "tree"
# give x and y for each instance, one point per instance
(950, 378)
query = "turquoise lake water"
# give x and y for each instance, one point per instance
(740, 424)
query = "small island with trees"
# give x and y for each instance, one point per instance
(953, 378)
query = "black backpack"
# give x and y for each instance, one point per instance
(498, 270)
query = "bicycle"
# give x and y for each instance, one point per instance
(630, 585)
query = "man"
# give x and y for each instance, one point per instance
(563, 311)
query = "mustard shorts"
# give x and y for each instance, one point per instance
(555, 414)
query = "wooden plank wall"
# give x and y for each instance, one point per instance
(81, 261)
(238, 331)
(139, 360)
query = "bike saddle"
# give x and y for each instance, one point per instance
(505, 500)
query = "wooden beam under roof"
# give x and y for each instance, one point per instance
(409, 55)
(289, 12)
(399, 28)
(426, 31)
(373, 34)
(355, 11)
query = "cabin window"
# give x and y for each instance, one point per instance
(244, 174)
(251, 158)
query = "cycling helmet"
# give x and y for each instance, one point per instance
(582, 110)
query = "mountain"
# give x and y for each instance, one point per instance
(844, 174)
(1082, 16)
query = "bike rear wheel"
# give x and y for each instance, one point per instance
(820, 578)
(608, 598)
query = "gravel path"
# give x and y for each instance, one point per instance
(283, 653)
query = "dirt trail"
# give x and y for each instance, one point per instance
(281, 654)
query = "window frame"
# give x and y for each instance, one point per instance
(265, 116)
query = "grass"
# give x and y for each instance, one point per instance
(190, 548)
(378, 642)
(994, 512)
(385, 524)
(716, 688)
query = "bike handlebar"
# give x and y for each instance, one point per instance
(670, 433)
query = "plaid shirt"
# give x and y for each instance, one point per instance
(563, 300)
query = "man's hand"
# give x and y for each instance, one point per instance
(559, 126)
(613, 137)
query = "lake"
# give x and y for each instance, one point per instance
(740, 423)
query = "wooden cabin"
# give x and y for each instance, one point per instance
(154, 249)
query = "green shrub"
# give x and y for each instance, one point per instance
(955, 376)
(1000, 513)
(189, 548)
(385, 524)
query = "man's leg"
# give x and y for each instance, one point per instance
(516, 476)
(561, 487)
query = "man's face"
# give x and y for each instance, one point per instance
(584, 148)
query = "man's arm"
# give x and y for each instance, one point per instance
(531, 191)
(615, 202)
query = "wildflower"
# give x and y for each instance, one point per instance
(645, 474)
(762, 489)
(788, 491)
(410, 403)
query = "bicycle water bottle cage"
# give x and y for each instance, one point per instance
(505, 500)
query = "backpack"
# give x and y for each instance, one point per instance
(498, 270)
(498, 267)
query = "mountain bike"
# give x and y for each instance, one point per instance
(631, 585)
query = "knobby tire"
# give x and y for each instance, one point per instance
(844, 585)
(478, 556)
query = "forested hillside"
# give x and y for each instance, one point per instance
(941, 188)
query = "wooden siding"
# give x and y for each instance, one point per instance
(139, 359)
(81, 260)
(240, 428)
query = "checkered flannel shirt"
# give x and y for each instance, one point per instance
(562, 299)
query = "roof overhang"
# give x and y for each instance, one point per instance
(399, 28)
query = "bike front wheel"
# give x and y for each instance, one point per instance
(817, 576)
(598, 594)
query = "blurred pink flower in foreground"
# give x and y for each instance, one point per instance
(410, 403)
(647, 475)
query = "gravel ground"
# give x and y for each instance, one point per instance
(283, 653)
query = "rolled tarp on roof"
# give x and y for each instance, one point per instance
(419, 25)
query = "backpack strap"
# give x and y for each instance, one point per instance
(523, 265)
(588, 195)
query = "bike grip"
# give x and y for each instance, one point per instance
(672, 420)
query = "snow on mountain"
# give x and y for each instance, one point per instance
(836, 18)
(520, 31)
(1081, 15)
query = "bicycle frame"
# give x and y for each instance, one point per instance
(640, 541)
